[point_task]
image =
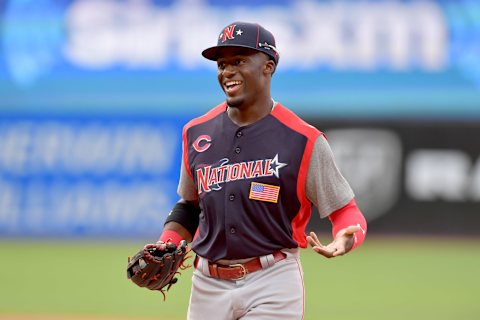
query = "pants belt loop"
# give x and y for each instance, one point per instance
(214, 269)
(267, 261)
(203, 266)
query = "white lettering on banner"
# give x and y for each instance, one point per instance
(362, 35)
(84, 208)
(14, 144)
(106, 32)
(92, 148)
(9, 207)
(111, 207)
(85, 177)
(447, 175)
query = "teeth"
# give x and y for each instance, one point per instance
(232, 83)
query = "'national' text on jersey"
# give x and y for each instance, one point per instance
(209, 177)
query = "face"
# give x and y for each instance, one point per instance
(244, 75)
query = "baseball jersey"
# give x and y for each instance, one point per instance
(256, 183)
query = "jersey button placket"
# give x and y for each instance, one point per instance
(238, 135)
(231, 198)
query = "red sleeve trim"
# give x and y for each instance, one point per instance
(206, 117)
(349, 215)
(302, 217)
(291, 120)
(170, 236)
(299, 223)
(185, 152)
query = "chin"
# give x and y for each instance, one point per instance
(234, 102)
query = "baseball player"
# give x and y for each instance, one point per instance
(251, 171)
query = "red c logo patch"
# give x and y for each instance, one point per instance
(199, 145)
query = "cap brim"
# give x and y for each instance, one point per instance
(212, 53)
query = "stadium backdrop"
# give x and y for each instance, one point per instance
(94, 93)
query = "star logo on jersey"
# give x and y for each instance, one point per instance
(275, 166)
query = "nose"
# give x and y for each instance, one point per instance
(229, 71)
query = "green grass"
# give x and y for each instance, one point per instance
(386, 278)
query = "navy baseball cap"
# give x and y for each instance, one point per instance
(247, 35)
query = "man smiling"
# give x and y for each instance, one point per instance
(250, 173)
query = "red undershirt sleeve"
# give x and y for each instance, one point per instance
(170, 236)
(349, 215)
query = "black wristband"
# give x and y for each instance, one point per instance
(186, 214)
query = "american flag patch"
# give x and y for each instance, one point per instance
(264, 192)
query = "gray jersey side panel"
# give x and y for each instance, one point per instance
(326, 188)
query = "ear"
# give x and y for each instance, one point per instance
(269, 67)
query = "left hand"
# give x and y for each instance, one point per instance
(342, 243)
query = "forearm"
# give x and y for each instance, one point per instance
(182, 222)
(176, 227)
(349, 215)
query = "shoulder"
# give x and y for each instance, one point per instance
(322, 148)
(288, 118)
(206, 117)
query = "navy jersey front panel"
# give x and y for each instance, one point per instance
(226, 161)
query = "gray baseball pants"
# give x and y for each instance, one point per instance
(275, 292)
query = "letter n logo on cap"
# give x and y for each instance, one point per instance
(228, 33)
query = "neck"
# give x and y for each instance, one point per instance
(251, 114)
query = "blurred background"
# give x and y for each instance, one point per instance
(94, 94)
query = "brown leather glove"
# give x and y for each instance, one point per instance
(154, 268)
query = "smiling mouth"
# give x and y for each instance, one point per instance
(233, 85)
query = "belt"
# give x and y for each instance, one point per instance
(240, 270)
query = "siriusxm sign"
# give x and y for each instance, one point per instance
(337, 35)
(404, 54)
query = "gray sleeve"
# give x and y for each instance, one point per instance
(326, 188)
(186, 186)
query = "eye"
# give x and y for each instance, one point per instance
(221, 66)
(239, 61)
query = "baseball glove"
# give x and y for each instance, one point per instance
(154, 267)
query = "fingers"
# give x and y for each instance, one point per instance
(350, 230)
(332, 250)
(327, 252)
(161, 245)
(318, 247)
(337, 247)
(313, 240)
